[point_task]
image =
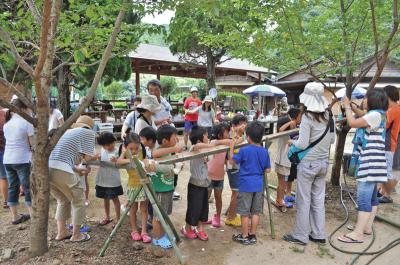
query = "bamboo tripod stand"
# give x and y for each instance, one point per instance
(165, 221)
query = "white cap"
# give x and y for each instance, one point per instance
(193, 89)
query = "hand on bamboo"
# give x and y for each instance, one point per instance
(149, 165)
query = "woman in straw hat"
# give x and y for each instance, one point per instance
(316, 128)
(147, 108)
(76, 144)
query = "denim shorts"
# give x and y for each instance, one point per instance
(216, 184)
(234, 179)
(18, 175)
(189, 125)
(366, 196)
(3, 174)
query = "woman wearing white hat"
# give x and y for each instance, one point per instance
(206, 115)
(147, 108)
(317, 133)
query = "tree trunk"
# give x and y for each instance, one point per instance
(40, 188)
(337, 162)
(211, 63)
(64, 94)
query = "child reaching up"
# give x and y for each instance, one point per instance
(108, 180)
(197, 196)
(254, 162)
(216, 172)
(132, 143)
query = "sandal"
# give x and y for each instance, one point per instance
(163, 242)
(146, 238)
(22, 219)
(63, 238)
(136, 236)
(351, 228)
(86, 237)
(347, 239)
(105, 222)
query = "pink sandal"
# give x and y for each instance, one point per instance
(136, 236)
(146, 238)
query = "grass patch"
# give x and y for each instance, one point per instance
(298, 250)
(324, 252)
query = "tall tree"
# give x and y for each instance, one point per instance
(36, 62)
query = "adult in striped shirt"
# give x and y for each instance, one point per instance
(372, 168)
(76, 144)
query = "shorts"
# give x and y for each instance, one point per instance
(293, 173)
(282, 170)
(234, 178)
(197, 205)
(3, 174)
(140, 198)
(108, 192)
(189, 125)
(216, 184)
(250, 203)
(18, 175)
(366, 196)
(165, 199)
(389, 163)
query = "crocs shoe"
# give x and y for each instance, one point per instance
(146, 238)
(201, 235)
(83, 229)
(136, 236)
(216, 221)
(234, 222)
(188, 234)
(163, 242)
(289, 198)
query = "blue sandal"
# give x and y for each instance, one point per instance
(163, 242)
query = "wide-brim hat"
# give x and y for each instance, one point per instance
(150, 103)
(207, 99)
(313, 97)
(83, 121)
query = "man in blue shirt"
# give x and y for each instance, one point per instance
(254, 163)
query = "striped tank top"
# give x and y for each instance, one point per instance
(372, 163)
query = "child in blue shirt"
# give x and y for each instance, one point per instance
(254, 162)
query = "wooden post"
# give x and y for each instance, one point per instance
(137, 77)
(158, 73)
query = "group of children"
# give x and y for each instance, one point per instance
(246, 167)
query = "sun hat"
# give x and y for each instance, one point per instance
(193, 89)
(150, 103)
(83, 121)
(207, 99)
(284, 99)
(313, 97)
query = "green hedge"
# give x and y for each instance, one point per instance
(239, 100)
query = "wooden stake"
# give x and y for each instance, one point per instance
(268, 198)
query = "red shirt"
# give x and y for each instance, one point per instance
(191, 104)
(393, 117)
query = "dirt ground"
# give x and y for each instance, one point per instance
(220, 249)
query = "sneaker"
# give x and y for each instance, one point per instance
(201, 235)
(176, 196)
(244, 240)
(252, 239)
(319, 241)
(291, 239)
(216, 221)
(188, 234)
(289, 199)
(379, 194)
(234, 222)
(385, 199)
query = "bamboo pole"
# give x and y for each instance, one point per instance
(268, 198)
(158, 210)
(131, 201)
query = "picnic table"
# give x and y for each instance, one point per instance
(97, 114)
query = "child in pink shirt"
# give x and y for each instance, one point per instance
(216, 172)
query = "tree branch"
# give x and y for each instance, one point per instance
(18, 93)
(20, 61)
(374, 30)
(91, 93)
(34, 11)
(21, 113)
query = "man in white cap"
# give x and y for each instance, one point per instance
(191, 103)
